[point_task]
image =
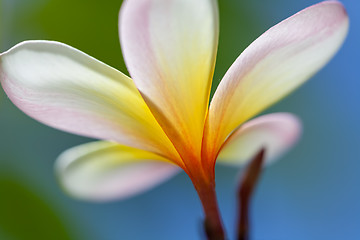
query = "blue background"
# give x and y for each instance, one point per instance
(310, 193)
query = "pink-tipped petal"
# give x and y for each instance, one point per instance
(276, 132)
(169, 47)
(69, 90)
(104, 171)
(275, 64)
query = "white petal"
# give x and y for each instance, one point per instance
(276, 132)
(102, 171)
(69, 90)
(169, 48)
(274, 65)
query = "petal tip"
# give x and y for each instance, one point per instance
(335, 9)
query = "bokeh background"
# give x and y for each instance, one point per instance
(310, 193)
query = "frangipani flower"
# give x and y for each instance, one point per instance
(159, 121)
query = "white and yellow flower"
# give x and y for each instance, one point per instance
(159, 120)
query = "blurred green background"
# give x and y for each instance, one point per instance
(311, 193)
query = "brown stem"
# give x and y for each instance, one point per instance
(245, 191)
(212, 223)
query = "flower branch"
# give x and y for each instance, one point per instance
(245, 191)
